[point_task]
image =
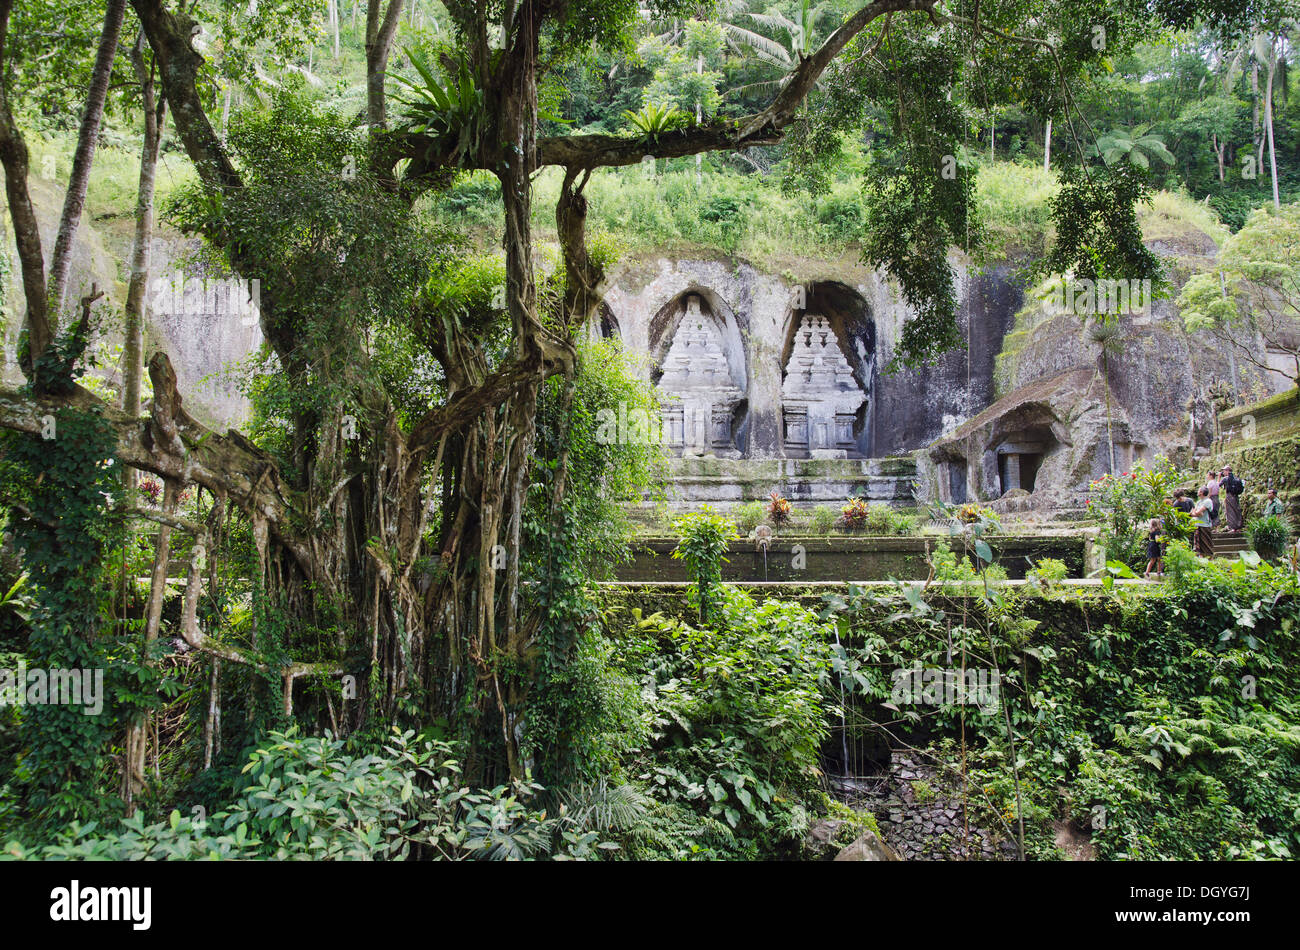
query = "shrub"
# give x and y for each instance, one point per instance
(876, 519)
(778, 509)
(1126, 502)
(854, 515)
(901, 523)
(748, 517)
(1268, 535)
(823, 520)
(1050, 569)
(310, 797)
(972, 513)
(703, 539)
(739, 720)
(840, 217)
(949, 566)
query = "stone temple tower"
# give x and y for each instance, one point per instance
(820, 398)
(696, 389)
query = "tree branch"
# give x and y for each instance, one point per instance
(178, 66)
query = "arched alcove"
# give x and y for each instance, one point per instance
(699, 364)
(838, 368)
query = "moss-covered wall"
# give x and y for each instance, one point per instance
(848, 558)
(1067, 612)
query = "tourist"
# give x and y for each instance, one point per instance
(1232, 488)
(1203, 540)
(1182, 502)
(1155, 550)
(1212, 492)
(1273, 504)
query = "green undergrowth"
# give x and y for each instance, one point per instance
(1161, 721)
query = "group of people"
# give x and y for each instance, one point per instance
(1220, 495)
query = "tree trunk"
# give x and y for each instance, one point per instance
(1110, 437)
(1268, 124)
(379, 41)
(137, 733)
(133, 346)
(75, 199)
(27, 232)
(1047, 145)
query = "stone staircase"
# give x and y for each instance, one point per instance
(1230, 545)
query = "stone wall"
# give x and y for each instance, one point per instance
(758, 320)
(791, 558)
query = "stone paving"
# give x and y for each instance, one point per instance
(920, 815)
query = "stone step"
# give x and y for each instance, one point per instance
(1231, 542)
(1230, 545)
(806, 482)
(901, 466)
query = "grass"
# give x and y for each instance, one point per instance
(1176, 218)
(1013, 206)
(747, 215)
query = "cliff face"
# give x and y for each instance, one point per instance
(203, 342)
(1021, 406)
(1060, 404)
(758, 319)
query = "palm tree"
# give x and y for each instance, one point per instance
(1103, 330)
(783, 55)
(1263, 47)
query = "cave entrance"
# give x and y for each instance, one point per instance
(1020, 456)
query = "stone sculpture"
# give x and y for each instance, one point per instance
(820, 398)
(697, 390)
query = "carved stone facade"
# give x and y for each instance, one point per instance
(696, 390)
(776, 381)
(820, 398)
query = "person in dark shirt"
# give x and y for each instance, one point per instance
(1232, 487)
(1155, 550)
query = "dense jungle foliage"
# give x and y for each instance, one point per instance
(369, 625)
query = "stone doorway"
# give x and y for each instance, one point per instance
(1020, 456)
(957, 481)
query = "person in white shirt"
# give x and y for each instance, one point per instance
(1203, 540)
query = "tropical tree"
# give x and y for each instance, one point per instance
(791, 39)
(1253, 294)
(387, 503)
(1104, 332)
(1138, 146)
